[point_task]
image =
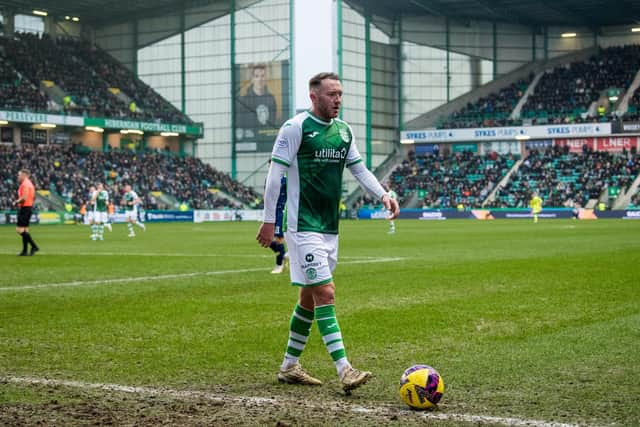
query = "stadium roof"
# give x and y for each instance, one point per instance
(589, 13)
(98, 12)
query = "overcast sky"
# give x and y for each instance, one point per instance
(313, 44)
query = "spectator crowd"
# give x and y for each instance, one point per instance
(562, 178)
(492, 110)
(93, 83)
(69, 172)
(465, 180)
(450, 180)
(564, 94)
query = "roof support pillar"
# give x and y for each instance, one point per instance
(448, 50)
(495, 50)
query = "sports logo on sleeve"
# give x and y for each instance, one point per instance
(345, 135)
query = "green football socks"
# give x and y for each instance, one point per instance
(299, 329)
(331, 335)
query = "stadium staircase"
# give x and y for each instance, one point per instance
(413, 201)
(622, 201)
(591, 204)
(623, 106)
(53, 91)
(592, 111)
(223, 195)
(492, 196)
(515, 114)
(165, 201)
(126, 99)
(49, 201)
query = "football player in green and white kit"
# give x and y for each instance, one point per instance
(91, 210)
(313, 148)
(130, 200)
(394, 196)
(100, 201)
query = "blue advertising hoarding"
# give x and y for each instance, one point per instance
(168, 216)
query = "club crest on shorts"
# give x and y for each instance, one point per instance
(311, 273)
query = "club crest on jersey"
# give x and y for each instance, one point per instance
(345, 135)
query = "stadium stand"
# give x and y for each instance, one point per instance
(565, 94)
(447, 181)
(635, 200)
(561, 177)
(17, 92)
(148, 104)
(633, 110)
(493, 110)
(466, 180)
(90, 81)
(68, 172)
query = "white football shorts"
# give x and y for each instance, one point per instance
(131, 215)
(312, 257)
(100, 217)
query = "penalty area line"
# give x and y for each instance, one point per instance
(381, 411)
(77, 283)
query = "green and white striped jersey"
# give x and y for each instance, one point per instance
(316, 153)
(129, 200)
(102, 200)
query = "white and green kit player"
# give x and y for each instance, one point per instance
(394, 196)
(100, 214)
(313, 148)
(131, 201)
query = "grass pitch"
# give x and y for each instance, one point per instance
(524, 321)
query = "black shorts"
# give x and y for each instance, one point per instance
(24, 216)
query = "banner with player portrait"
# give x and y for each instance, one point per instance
(261, 104)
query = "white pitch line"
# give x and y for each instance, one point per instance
(128, 279)
(172, 254)
(145, 254)
(486, 419)
(383, 410)
(164, 277)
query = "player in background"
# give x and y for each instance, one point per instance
(140, 222)
(278, 243)
(313, 148)
(90, 209)
(130, 201)
(24, 202)
(536, 206)
(575, 210)
(111, 212)
(393, 195)
(100, 215)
